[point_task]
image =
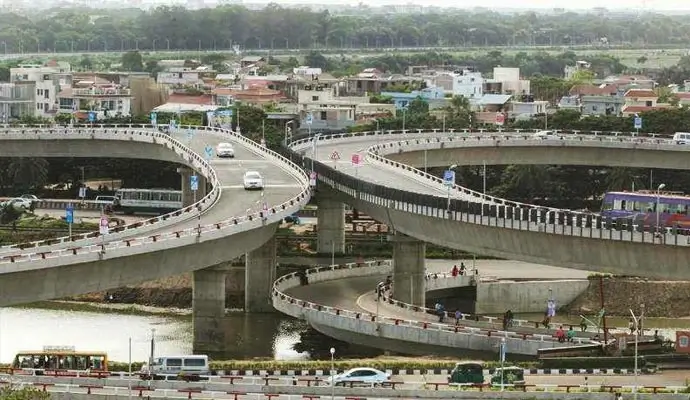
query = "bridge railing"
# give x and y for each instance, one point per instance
(492, 211)
(142, 244)
(366, 322)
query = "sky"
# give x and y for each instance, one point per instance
(631, 5)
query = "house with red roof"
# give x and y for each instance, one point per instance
(641, 100)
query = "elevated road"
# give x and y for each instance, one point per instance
(226, 223)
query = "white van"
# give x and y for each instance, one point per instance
(681, 137)
(176, 365)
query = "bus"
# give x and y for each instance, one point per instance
(159, 201)
(640, 209)
(189, 367)
(61, 358)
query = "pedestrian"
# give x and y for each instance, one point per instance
(458, 317)
(631, 326)
(560, 334)
(571, 334)
(455, 271)
(583, 324)
(463, 270)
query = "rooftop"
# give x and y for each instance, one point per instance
(646, 93)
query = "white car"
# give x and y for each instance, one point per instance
(30, 197)
(18, 203)
(368, 376)
(544, 135)
(225, 150)
(253, 180)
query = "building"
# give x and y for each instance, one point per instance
(570, 103)
(177, 76)
(372, 81)
(434, 96)
(602, 105)
(16, 100)
(639, 100)
(321, 109)
(507, 81)
(255, 95)
(106, 100)
(46, 84)
(527, 106)
(570, 71)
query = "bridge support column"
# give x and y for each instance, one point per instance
(260, 273)
(187, 192)
(208, 308)
(330, 216)
(409, 281)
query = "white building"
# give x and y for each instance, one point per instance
(180, 76)
(46, 82)
(106, 101)
(468, 84)
(507, 81)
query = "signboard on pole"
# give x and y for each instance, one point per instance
(103, 225)
(335, 156)
(312, 179)
(449, 177)
(309, 119)
(194, 182)
(154, 119)
(500, 119)
(638, 122)
(357, 160)
(503, 351)
(208, 151)
(82, 192)
(69, 214)
(92, 116)
(190, 134)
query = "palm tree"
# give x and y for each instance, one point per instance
(28, 173)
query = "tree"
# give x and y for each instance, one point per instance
(418, 106)
(132, 61)
(85, 63)
(28, 173)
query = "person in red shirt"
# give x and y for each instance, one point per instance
(454, 272)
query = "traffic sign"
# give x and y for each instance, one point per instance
(82, 192)
(194, 182)
(103, 225)
(312, 179)
(92, 116)
(173, 124)
(356, 160)
(638, 122)
(190, 134)
(208, 150)
(265, 207)
(69, 214)
(335, 156)
(154, 118)
(500, 119)
(309, 119)
(449, 177)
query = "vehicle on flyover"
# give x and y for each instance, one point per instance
(253, 181)
(225, 150)
(639, 210)
(190, 368)
(59, 360)
(361, 376)
(159, 201)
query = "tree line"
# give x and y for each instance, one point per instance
(276, 27)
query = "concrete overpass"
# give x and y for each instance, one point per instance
(419, 208)
(226, 222)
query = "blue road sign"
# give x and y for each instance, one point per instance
(154, 118)
(190, 134)
(449, 177)
(310, 119)
(92, 116)
(638, 122)
(209, 152)
(194, 182)
(69, 214)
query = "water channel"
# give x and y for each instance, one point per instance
(255, 336)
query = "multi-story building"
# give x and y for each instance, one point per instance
(180, 77)
(16, 100)
(464, 82)
(434, 96)
(106, 100)
(372, 81)
(507, 81)
(46, 84)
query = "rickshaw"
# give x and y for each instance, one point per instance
(510, 375)
(467, 373)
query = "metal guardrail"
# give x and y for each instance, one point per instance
(92, 252)
(489, 210)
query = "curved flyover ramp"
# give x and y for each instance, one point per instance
(224, 224)
(420, 206)
(397, 333)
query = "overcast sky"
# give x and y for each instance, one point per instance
(631, 5)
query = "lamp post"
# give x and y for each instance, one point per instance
(658, 210)
(332, 372)
(503, 359)
(129, 380)
(636, 333)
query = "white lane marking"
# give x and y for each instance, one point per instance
(265, 186)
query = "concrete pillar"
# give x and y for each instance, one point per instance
(409, 281)
(260, 273)
(188, 194)
(208, 308)
(330, 216)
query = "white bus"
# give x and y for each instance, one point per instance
(188, 366)
(159, 201)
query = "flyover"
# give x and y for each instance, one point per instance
(419, 208)
(225, 222)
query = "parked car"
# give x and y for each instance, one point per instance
(368, 376)
(253, 180)
(544, 135)
(225, 150)
(292, 219)
(19, 204)
(467, 373)
(31, 197)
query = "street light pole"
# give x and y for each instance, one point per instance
(332, 373)
(636, 333)
(658, 210)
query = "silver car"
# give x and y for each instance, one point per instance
(364, 376)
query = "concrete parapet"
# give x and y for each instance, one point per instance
(331, 216)
(409, 279)
(260, 273)
(497, 297)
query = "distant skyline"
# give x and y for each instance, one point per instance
(629, 5)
